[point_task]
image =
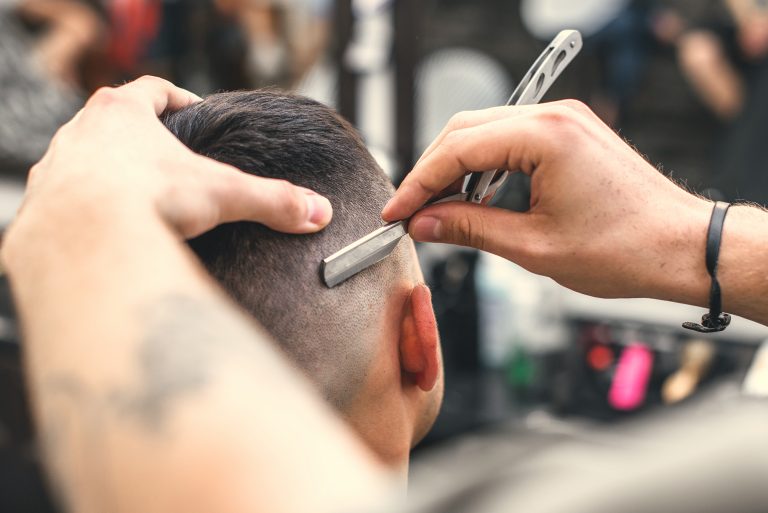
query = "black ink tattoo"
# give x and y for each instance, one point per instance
(184, 343)
(172, 360)
(185, 338)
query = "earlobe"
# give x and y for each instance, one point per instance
(419, 347)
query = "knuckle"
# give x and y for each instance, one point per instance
(575, 105)
(103, 97)
(423, 186)
(452, 140)
(60, 133)
(152, 80)
(32, 175)
(293, 203)
(565, 120)
(468, 232)
(64, 134)
(538, 250)
(557, 115)
(459, 120)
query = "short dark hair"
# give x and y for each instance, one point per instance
(275, 276)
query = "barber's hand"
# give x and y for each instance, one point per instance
(115, 152)
(602, 220)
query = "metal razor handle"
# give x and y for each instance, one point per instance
(544, 72)
(377, 245)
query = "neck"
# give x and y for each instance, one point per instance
(381, 414)
(386, 429)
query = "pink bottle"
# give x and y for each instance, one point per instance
(630, 382)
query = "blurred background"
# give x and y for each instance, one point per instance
(686, 81)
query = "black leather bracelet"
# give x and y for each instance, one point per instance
(716, 319)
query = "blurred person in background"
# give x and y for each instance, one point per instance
(719, 56)
(283, 38)
(44, 45)
(725, 60)
(623, 48)
(55, 52)
(66, 31)
(616, 32)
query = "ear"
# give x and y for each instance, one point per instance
(419, 345)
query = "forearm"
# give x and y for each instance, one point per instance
(743, 262)
(743, 268)
(151, 392)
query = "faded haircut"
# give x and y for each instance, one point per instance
(329, 333)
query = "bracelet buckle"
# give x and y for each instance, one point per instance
(708, 325)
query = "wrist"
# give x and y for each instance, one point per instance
(680, 273)
(742, 269)
(682, 276)
(58, 223)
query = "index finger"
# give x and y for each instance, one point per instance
(161, 94)
(511, 143)
(468, 119)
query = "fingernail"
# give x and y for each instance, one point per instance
(319, 209)
(426, 229)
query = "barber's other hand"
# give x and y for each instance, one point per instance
(602, 220)
(116, 153)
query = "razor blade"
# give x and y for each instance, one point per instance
(362, 254)
(379, 244)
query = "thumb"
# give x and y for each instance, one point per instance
(495, 230)
(275, 203)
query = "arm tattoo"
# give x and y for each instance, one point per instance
(173, 361)
(185, 341)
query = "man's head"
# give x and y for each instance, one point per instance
(369, 344)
